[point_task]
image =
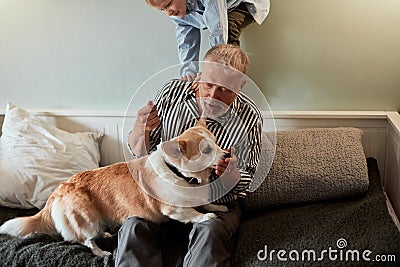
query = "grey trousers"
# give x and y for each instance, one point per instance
(238, 19)
(210, 242)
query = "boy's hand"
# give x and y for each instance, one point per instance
(192, 77)
(195, 84)
(189, 77)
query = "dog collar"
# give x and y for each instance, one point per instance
(189, 180)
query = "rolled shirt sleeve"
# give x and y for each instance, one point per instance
(188, 38)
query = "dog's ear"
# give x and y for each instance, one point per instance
(174, 148)
(182, 146)
(202, 122)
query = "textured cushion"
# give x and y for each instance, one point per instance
(36, 156)
(310, 165)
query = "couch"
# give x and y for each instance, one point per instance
(316, 200)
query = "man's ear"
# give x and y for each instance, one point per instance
(244, 81)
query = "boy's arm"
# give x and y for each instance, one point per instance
(188, 38)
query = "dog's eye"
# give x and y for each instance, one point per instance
(207, 150)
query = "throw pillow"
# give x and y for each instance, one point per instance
(36, 156)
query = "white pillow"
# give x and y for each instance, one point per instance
(36, 156)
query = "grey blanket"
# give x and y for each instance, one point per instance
(359, 223)
(45, 250)
(363, 222)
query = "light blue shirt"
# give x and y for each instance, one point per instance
(211, 15)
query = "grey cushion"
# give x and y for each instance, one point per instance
(310, 165)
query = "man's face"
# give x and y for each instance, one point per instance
(176, 8)
(214, 100)
(218, 89)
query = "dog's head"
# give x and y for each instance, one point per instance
(194, 153)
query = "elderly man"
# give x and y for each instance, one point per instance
(235, 121)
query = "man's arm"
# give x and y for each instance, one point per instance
(147, 131)
(250, 153)
(239, 177)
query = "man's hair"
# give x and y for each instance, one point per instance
(230, 55)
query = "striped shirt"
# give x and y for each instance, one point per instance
(239, 127)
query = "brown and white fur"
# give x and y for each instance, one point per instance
(80, 208)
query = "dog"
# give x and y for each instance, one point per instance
(82, 207)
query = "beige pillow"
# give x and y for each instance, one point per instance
(311, 165)
(36, 156)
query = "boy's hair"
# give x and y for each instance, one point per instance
(230, 55)
(152, 3)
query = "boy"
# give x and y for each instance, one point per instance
(223, 18)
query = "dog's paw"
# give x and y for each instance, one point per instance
(101, 253)
(105, 254)
(208, 216)
(213, 207)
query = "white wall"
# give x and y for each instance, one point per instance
(94, 54)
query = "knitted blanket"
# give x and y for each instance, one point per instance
(361, 223)
(44, 250)
(342, 227)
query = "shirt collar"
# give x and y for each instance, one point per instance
(189, 93)
(229, 114)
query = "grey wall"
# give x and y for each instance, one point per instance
(94, 54)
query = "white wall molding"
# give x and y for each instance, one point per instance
(290, 114)
(381, 139)
(328, 114)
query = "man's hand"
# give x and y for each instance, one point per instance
(228, 170)
(147, 118)
(226, 165)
